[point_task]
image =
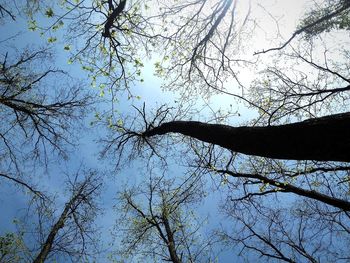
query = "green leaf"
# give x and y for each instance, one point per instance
(49, 12)
(138, 63)
(120, 122)
(52, 39)
(67, 47)
(87, 68)
(58, 25)
(32, 26)
(97, 116)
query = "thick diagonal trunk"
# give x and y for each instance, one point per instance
(321, 139)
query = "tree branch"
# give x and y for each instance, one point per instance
(322, 139)
(305, 28)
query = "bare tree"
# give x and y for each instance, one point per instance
(309, 232)
(333, 16)
(71, 234)
(26, 186)
(109, 42)
(49, 230)
(35, 116)
(119, 35)
(158, 221)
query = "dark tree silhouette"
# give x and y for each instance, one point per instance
(321, 139)
(72, 235)
(279, 235)
(35, 115)
(163, 227)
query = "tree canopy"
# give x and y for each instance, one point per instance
(250, 124)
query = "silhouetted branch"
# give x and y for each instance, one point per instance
(24, 184)
(303, 29)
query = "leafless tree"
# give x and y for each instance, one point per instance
(309, 232)
(158, 221)
(49, 230)
(70, 234)
(38, 109)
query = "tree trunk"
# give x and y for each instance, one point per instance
(47, 246)
(322, 139)
(171, 242)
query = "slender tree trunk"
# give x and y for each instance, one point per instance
(47, 246)
(171, 242)
(45, 250)
(322, 139)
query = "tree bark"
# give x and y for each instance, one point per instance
(321, 139)
(115, 12)
(171, 242)
(47, 246)
(45, 250)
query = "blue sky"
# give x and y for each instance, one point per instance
(13, 201)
